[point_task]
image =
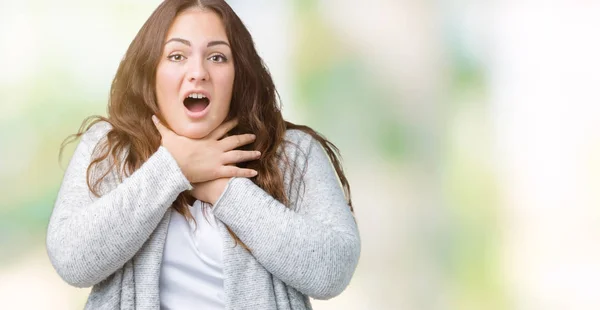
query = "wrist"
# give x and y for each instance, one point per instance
(179, 164)
(220, 186)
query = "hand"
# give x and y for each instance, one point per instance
(211, 157)
(209, 191)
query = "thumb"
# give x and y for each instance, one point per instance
(159, 126)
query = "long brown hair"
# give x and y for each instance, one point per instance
(133, 137)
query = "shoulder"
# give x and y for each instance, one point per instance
(300, 139)
(301, 148)
(307, 158)
(97, 131)
(298, 143)
(91, 138)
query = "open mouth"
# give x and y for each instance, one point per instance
(196, 103)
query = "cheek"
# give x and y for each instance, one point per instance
(225, 83)
(166, 85)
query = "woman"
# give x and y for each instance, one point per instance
(194, 193)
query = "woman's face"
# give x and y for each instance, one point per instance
(194, 78)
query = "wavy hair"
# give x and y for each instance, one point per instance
(133, 137)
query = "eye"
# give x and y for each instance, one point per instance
(218, 58)
(176, 57)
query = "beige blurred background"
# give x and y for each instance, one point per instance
(470, 132)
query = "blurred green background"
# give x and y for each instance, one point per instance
(469, 131)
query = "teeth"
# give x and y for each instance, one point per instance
(196, 96)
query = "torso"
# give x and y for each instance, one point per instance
(191, 273)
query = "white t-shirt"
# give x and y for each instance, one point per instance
(191, 275)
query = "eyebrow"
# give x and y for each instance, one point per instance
(213, 43)
(188, 43)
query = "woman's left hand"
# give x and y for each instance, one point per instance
(209, 191)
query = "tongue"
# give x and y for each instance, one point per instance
(196, 106)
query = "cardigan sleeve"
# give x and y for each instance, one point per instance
(89, 238)
(313, 247)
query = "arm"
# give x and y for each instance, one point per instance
(89, 238)
(314, 249)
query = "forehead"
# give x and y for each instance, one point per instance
(198, 24)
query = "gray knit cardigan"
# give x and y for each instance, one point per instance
(114, 243)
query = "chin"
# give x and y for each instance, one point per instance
(195, 131)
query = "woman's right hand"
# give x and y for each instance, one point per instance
(211, 157)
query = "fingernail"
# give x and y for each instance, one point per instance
(254, 173)
(257, 153)
(154, 119)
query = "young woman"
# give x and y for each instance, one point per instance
(194, 193)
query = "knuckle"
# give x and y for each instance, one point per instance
(231, 171)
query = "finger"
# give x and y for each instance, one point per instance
(233, 142)
(223, 129)
(159, 126)
(234, 157)
(233, 171)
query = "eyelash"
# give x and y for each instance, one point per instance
(223, 58)
(171, 57)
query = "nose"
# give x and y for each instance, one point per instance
(197, 71)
